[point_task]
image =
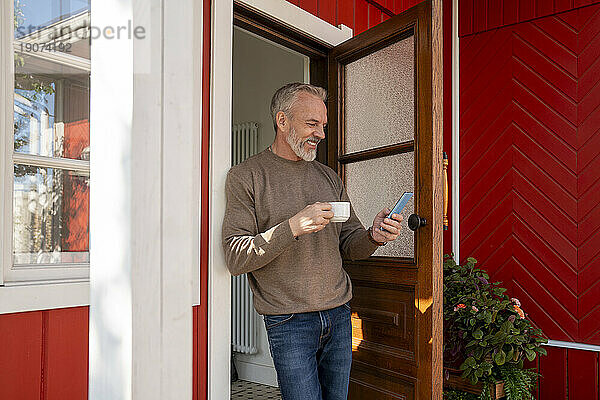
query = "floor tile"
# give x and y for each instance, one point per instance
(242, 390)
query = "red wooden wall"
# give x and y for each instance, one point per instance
(482, 15)
(44, 355)
(530, 169)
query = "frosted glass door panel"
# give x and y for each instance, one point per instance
(379, 98)
(378, 183)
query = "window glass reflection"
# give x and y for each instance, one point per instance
(50, 216)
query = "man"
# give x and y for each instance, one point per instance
(277, 229)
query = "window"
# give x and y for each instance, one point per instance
(47, 183)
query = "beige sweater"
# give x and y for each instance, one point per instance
(288, 275)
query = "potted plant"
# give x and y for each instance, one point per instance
(487, 336)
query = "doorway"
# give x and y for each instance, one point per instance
(259, 67)
(403, 298)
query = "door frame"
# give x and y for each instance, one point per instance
(219, 283)
(270, 17)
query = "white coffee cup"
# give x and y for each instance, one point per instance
(341, 211)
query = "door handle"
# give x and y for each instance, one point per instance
(415, 222)
(445, 164)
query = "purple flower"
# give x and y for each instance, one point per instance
(483, 280)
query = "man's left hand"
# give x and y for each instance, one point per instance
(391, 225)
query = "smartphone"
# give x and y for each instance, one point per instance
(400, 204)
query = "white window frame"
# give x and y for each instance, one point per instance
(33, 287)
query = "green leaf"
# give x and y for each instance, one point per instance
(500, 357)
(478, 334)
(510, 354)
(488, 317)
(530, 354)
(468, 363)
(542, 351)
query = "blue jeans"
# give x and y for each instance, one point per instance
(312, 353)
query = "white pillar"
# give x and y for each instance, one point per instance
(144, 120)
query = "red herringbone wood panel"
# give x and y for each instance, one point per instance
(530, 165)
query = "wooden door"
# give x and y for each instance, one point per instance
(385, 105)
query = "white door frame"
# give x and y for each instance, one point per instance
(219, 279)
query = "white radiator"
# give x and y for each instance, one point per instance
(244, 144)
(244, 141)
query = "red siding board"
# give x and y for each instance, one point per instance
(21, 356)
(487, 250)
(570, 18)
(589, 303)
(493, 158)
(374, 16)
(549, 187)
(510, 12)
(465, 17)
(532, 57)
(559, 31)
(529, 101)
(480, 15)
(553, 144)
(589, 276)
(487, 113)
(481, 59)
(554, 51)
(588, 201)
(361, 16)
(495, 14)
(589, 331)
(583, 374)
(526, 9)
(561, 294)
(548, 210)
(562, 5)
(544, 8)
(528, 238)
(538, 155)
(327, 11)
(553, 368)
(528, 291)
(498, 218)
(588, 226)
(309, 5)
(552, 98)
(346, 12)
(66, 372)
(485, 202)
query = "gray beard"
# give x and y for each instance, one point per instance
(297, 146)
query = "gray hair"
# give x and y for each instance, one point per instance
(285, 97)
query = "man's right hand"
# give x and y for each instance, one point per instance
(312, 218)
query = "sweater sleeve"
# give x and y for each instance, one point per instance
(354, 239)
(245, 248)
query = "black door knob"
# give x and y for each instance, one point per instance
(415, 222)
